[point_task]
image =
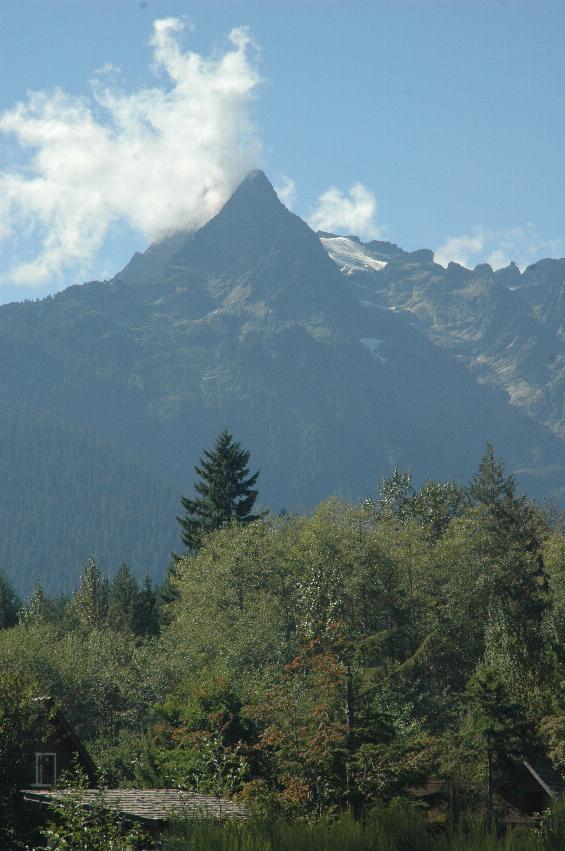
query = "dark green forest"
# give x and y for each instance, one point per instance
(315, 667)
(64, 500)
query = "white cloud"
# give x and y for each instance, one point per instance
(523, 245)
(160, 159)
(350, 214)
(285, 188)
(460, 249)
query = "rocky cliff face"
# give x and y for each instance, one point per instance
(506, 327)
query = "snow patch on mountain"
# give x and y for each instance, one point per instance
(349, 255)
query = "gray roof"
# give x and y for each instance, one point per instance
(150, 805)
(547, 777)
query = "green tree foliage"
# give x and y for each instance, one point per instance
(105, 682)
(493, 734)
(39, 608)
(9, 603)
(396, 495)
(305, 730)
(124, 593)
(147, 617)
(102, 499)
(314, 663)
(507, 519)
(92, 598)
(489, 486)
(512, 533)
(226, 492)
(95, 826)
(21, 727)
(436, 504)
(133, 609)
(321, 603)
(201, 734)
(406, 603)
(433, 506)
(167, 591)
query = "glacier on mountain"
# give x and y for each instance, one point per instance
(350, 256)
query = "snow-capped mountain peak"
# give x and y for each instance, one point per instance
(350, 256)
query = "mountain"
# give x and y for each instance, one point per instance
(506, 327)
(328, 377)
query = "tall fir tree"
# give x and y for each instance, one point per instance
(436, 504)
(124, 592)
(512, 533)
(91, 599)
(9, 603)
(226, 492)
(489, 486)
(508, 518)
(39, 608)
(396, 495)
(167, 591)
(147, 621)
(494, 733)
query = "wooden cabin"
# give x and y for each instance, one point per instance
(529, 789)
(533, 787)
(58, 752)
(153, 809)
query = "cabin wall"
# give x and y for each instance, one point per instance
(63, 744)
(526, 794)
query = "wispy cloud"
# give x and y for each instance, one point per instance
(347, 214)
(159, 159)
(523, 245)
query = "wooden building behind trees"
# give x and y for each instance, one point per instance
(58, 752)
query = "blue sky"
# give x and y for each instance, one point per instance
(448, 118)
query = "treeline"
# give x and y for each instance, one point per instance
(122, 604)
(311, 665)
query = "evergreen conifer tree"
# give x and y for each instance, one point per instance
(39, 607)
(512, 531)
(167, 591)
(396, 495)
(489, 487)
(494, 732)
(147, 621)
(508, 519)
(9, 603)
(124, 592)
(226, 492)
(91, 600)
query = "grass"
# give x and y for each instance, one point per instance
(398, 827)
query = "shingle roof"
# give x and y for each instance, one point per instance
(548, 778)
(151, 805)
(430, 787)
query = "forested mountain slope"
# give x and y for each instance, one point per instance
(67, 495)
(246, 323)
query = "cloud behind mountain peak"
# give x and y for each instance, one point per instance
(160, 158)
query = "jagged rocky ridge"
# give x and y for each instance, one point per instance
(507, 327)
(328, 378)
